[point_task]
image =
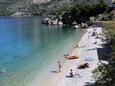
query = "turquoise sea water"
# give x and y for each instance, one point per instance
(30, 50)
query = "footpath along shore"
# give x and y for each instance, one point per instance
(87, 52)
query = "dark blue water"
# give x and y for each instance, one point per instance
(28, 48)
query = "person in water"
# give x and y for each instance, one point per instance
(59, 66)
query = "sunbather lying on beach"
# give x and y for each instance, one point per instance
(85, 65)
(72, 75)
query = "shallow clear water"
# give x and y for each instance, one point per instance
(29, 50)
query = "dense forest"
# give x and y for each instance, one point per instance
(105, 73)
(81, 12)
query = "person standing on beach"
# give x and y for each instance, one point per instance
(77, 46)
(59, 66)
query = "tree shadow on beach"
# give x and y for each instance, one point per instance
(68, 76)
(89, 84)
(55, 71)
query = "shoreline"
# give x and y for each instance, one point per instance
(56, 76)
(64, 62)
(59, 79)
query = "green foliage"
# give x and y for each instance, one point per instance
(8, 7)
(67, 19)
(81, 12)
(3, 10)
(105, 74)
